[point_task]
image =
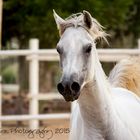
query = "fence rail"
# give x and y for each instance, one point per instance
(48, 96)
(34, 55)
(105, 55)
(35, 117)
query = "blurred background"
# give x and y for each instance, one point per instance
(23, 20)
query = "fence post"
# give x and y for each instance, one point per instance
(33, 82)
(0, 100)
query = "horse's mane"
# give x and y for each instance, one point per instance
(76, 20)
(126, 74)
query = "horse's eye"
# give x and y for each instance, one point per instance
(88, 48)
(59, 50)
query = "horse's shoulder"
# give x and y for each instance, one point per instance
(127, 106)
(126, 98)
(125, 94)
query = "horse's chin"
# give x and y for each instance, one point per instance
(71, 98)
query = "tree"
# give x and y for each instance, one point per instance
(26, 19)
(0, 21)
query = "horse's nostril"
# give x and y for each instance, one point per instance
(75, 87)
(60, 87)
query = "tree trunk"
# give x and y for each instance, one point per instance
(46, 77)
(0, 22)
(23, 82)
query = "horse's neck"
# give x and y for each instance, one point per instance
(95, 101)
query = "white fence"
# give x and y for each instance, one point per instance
(34, 55)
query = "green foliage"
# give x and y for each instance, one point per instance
(134, 20)
(26, 19)
(9, 75)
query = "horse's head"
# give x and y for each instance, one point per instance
(76, 49)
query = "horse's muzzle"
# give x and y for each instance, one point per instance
(69, 90)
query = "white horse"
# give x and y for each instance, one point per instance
(102, 111)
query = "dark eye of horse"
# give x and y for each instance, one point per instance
(88, 48)
(59, 50)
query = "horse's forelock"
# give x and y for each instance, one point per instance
(76, 20)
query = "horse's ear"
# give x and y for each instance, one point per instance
(87, 19)
(59, 21)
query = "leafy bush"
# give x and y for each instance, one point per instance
(9, 75)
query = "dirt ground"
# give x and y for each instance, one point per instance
(50, 130)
